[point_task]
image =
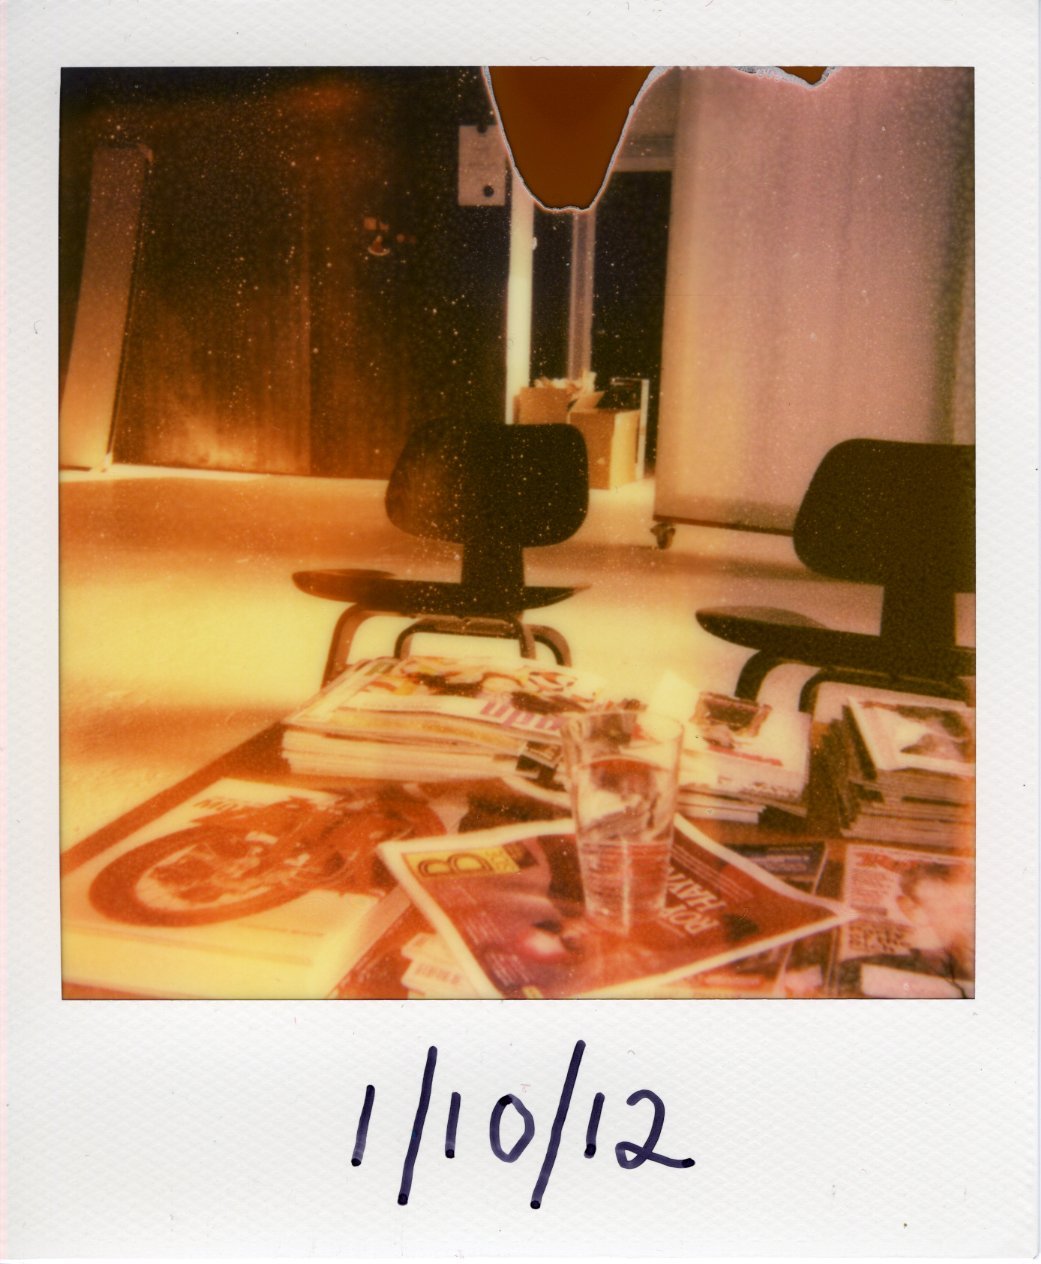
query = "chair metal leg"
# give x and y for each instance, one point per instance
(343, 634)
(754, 673)
(879, 680)
(556, 644)
(505, 626)
(450, 625)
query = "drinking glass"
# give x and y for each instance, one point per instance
(622, 770)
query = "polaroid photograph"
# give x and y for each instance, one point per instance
(504, 509)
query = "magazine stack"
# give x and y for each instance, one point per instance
(739, 757)
(902, 769)
(426, 717)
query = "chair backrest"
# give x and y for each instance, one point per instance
(514, 486)
(884, 512)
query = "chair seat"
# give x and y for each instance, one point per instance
(334, 585)
(412, 598)
(788, 636)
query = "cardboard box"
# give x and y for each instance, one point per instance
(541, 405)
(611, 437)
(611, 434)
(634, 392)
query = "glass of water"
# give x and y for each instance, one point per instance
(622, 770)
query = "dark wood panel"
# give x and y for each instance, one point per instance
(272, 331)
(551, 282)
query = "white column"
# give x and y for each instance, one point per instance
(580, 311)
(518, 292)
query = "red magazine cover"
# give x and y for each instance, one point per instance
(508, 904)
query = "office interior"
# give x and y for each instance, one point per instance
(787, 263)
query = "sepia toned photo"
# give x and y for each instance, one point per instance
(508, 560)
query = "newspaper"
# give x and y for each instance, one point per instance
(380, 972)
(508, 904)
(797, 969)
(914, 933)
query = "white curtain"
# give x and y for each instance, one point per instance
(820, 280)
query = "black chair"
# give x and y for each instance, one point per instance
(901, 515)
(495, 490)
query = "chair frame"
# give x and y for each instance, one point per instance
(491, 596)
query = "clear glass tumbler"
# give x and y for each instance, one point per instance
(622, 770)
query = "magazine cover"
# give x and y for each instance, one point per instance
(914, 930)
(937, 737)
(736, 747)
(246, 890)
(508, 903)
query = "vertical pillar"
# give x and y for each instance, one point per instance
(518, 292)
(580, 310)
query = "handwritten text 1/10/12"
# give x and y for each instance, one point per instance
(629, 1154)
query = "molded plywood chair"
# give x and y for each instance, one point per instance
(493, 489)
(901, 515)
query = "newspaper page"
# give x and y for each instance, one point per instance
(508, 903)
(800, 969)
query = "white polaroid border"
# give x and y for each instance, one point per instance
(226, 1129)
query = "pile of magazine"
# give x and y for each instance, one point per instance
(426, 717)
(739, 757)
(902, 769)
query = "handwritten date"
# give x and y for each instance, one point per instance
(628, 1154)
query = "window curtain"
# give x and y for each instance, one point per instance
(820, 281)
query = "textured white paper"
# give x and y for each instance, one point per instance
(226, 1129)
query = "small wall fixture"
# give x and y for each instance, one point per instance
(482, 166)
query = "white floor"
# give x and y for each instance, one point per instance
(182, 633)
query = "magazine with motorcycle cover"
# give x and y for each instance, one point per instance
(246, 889)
